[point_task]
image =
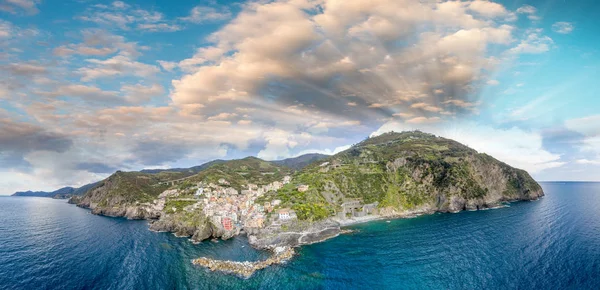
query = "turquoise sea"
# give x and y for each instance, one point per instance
(553, 243)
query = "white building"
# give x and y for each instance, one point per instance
(287, 179)
(302, 188)
(286, 214)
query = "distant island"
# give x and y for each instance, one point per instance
(285, 204)
(63, 193)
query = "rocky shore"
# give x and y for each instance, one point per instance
(198, 227)
(304, 235)
(246, 269)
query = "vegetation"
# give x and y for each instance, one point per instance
(243, 171)
(410, 169)
(312, 211)
(176, 205)
(403, 171)
(132, 187)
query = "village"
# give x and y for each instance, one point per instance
(238, 210)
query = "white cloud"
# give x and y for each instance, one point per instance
(423, 120)
(563, 27)
(534, 43)
(128, 17)
(587, 161)
(116, 66)
(167, 65)
(589, 127)
(6, 29)
(516, 147)
(14, 6)
(201, 14)
(488, 8)
(493, 82)
(349, 48)
(280, 143)
(138, 93)
(336, 150)
(526, 9)
(154, 27)
(98, 42)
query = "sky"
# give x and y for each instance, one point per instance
(90, 87)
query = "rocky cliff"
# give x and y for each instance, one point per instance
(192, 224)
(126, 194)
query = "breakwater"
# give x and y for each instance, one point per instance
(246, 269)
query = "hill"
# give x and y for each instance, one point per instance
(123, 191)
(191, 170)
(240, 172)
(298, 163)
(405, 173)
(62, 191)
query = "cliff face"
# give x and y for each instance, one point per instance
(192, 224)
(126, 194)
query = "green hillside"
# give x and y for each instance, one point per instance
(242, 171)
(406, 171)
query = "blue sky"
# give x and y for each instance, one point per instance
(91, 87)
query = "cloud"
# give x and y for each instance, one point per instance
(534, 43)
(25, 69)
(128, 17)
(119, 65)
(530, 11)
(138, 93)
(87, 93)
(514, 146)
(336, 150)
(423, 120)
(280, 143)
(222, 116)
(277, 78)
(589, 127)
(156, 27)
(331, 56)
(587, 161)
(98, 42)
(167, 65)
(488, 9)
(6, 29)
(96, 167)
(200, 14)
(563, 27)
(15, 6)
(170, 152)
(526, 9)
(18, 139)
(493, 82)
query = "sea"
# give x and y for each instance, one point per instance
(552, 243)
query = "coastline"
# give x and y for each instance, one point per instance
(247, 269)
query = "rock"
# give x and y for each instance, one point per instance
(246, 269)
(317, 232)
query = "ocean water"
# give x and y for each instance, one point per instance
(553, 243)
